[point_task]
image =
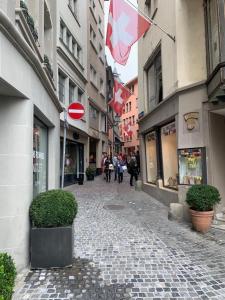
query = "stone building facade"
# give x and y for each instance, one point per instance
(181, 98)
(130, 116)
(97, 106)
(29, 117)
(72, 85)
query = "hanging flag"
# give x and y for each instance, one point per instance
(121, 95)
(125, 27)
(127, 130)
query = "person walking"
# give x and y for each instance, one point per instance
(115, 165)
(120, 169)
(133, 169)
(108, 168)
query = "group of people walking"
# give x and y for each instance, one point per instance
(119, 164)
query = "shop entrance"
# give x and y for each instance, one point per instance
(74, 162)
(93, 152)
(217, 151)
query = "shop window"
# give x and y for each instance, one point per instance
(169, 155)
(151, 157)
(74, 6)
(192, 163)
(40, 157)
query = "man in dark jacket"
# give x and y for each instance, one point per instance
(133, 169)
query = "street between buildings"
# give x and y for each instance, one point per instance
(126, 248)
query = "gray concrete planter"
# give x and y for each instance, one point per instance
(51, 247)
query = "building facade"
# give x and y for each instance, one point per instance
(72, 85)
(97, 105)
(181, 98)
(130, 116)
(29, 117)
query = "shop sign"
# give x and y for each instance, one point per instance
(76, 111)
(192, 121)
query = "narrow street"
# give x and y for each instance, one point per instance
(126, 248)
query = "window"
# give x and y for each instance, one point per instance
(93, 112)
(93, 75)
(62, 29)
(169, 155)
(61, 87)
(133, 119)
(40, 157)
(129, 106)
(68, 37)
(71, 92)
(92, 4)
(74, 6)
(154, 82)
(80, 95)
(101, 53)
(92, 36)
(151, 157)
(213, 32)
(132, 89)
(152, 6)
(102, 86)
(126, 107)
(79, 53)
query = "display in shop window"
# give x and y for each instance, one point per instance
(192, 166)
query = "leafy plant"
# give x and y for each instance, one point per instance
(53, 208)
(30, 21)
(7, 276)
(48, 65)
(202, 197)
(90, 171)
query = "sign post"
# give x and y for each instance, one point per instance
(64, 149)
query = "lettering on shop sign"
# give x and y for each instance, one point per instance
(192, 122)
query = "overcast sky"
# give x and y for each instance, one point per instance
(129, 71)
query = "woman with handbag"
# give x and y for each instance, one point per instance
(108, 168)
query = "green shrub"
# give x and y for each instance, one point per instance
(90, 171)
(7, 276)
(54, 208)
(202, 197)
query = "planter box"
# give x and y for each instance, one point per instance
(90, 177)
(51, 247)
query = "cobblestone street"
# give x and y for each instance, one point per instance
(126, 248)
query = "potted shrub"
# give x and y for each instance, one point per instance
(90, 173)
(7, 276)
(201, 199)
(52, 214)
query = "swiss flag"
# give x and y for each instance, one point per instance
(121, 95)
(125, 27)
(127, 130)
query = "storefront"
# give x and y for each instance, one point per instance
(74, 162)
(161, 156)
(40, 157)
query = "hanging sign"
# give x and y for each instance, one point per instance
(76, 111)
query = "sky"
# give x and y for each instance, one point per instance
(129, 71)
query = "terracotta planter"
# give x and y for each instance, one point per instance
(201, 220)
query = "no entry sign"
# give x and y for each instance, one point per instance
(76, 110)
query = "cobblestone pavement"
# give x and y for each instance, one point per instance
(126, 248)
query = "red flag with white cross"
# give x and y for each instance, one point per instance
(125, 27)
(127, 129)
(121, 95)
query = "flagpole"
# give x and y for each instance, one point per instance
(153, 22)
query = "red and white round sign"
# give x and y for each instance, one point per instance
(76, 110)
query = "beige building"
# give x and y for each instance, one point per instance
(29, 117)
(180, 127)
(72, 84)
(98, 141)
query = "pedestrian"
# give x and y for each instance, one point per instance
(108, 168)
(120, 169)
(115, 165)
(138, 161)
(133, 169)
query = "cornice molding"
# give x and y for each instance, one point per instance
(14, 36)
